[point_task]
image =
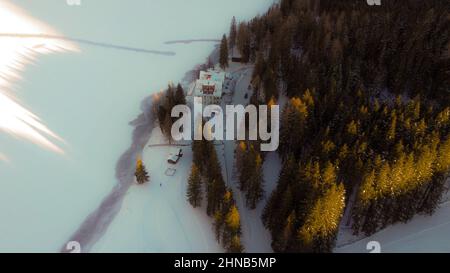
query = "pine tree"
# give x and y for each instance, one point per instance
(198, 154)
(255, 191)
(233, 34)
(243, 42)
(273, 212)
(170, 98)
(285, 241)
(215, 187)
(194, 191)
(352, 129)
(179, 96)
(320, 229)
(292, 129)
(228, 224)
(392, 128)
(364, 197)
(233, 220)
(443, 163)
(141, 173)
(242, 165)
(218, 225)
(223, 58)
(329, 175)
(235, 245)
(164, 110)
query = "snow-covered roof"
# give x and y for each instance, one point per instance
(212, 75)
(207, 88)
(210, 83)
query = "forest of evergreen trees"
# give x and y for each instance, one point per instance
(162, 107)
(367, 117)
(206, 182)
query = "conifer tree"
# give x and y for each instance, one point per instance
(164, 109)
(292, 129)
(233, 220)
(443, 163)
(285, 243)
(179, 95)
(227, 224)
(233, 230)
(141, 173)
(232, 35)
(218, 225)
(223, 58)
(215, 188)
(243, 42)
(198, 154)
(255, 191)
(194, 191)
(279, 204)
(236, 245)
(242, 165)
(319, 231)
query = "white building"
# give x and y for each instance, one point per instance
(209, 87)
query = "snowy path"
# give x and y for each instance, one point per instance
(256, 238)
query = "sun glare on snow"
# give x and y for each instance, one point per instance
(16, 53)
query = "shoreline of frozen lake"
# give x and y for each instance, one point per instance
(96, 224)
(87, 98)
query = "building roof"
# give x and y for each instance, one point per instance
(212, 75)
(210, 83)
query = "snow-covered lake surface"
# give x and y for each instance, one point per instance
(71, 79)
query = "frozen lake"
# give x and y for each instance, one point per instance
(65, 104)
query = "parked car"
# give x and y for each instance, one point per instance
(175, 157)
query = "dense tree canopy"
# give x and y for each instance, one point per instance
(367, 115)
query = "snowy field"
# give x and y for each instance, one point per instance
(155, 217)
(66, 103)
